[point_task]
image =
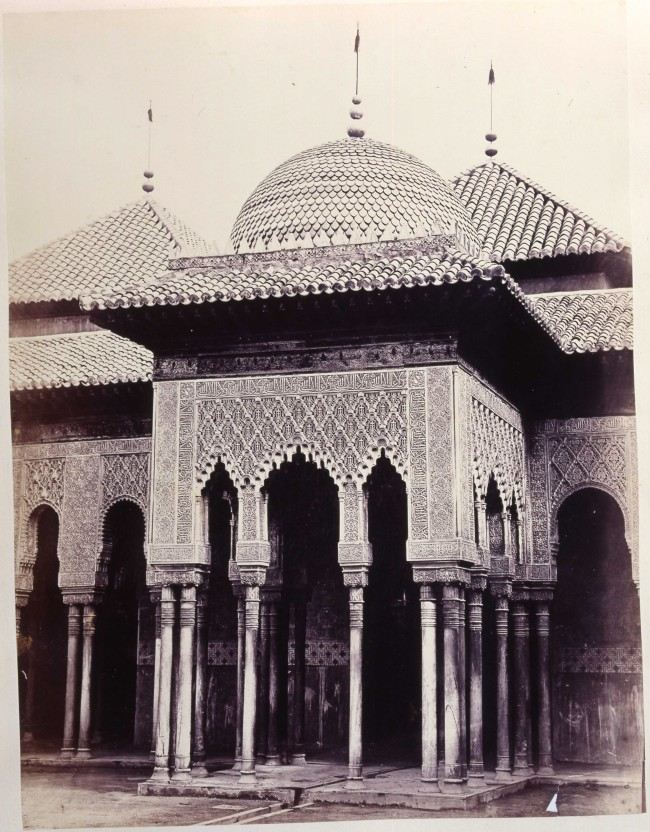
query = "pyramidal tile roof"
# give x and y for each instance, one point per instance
(129, 246)
(590, 320)
(517, 219)
(79, 359)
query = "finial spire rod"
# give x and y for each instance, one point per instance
(491, 137)
(354, 130)
(147, 185)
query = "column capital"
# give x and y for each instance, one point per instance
(500, 588)
(82, 596)
(252, 576)
(74, 619)
(440, 574)
(182, 576)
(357, 577)
(478, 580)
(89, 614)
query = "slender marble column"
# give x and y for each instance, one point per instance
(262, 721)
(30, 694)
(355, 744)
(71, 681)
(521, 650)
(198, 751)
(241, 651)
(545, 749)
(273, 751)
(247, 773)
(475, 622)
(503, 727)
(462, 680)
(187, 621)
(163, 723)
(19, 613)
(429, 682)
(156, 672)
(298, 726)
(83, 748)
(452, 679)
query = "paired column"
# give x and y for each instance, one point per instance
(83, 749)
(187, 623)
(521, 651)
(201, 650)
(241, 650)
(475, 647)
(429, 685)
(503, 716)
(155, 600)
(273, 738)
(247, 772)
(163, 721)
(71, 681)
(262, 721)
(355, 765)
(299, 637)
(545, 751)
(453, 678)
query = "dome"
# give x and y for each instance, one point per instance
(354, 190)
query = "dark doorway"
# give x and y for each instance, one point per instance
(391, 652)
(43, 665)
(595, 636)
(117, 625)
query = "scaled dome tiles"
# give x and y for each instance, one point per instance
(354, 190)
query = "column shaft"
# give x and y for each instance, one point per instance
(250, 683)
(198, 751)
(241, 650)
(30, 694)
(545, 749)
(156, 677)
(462, 680)
(503, 726)
(298, 726)
(475, 621)
(273, 751)
(83, 748)
(262, 721)
(355, 745)
(521, 650)
(163, 722)
(187, 622)
(71, 681)
(429, 682)
(452, 682)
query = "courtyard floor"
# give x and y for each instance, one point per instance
(60, 798)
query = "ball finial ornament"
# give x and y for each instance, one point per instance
(147, 185)
(355, 131)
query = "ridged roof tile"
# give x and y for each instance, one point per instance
(590, 320)
(79, 359)
(517, 219)
(126, 247)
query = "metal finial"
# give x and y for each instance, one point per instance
(147, 186)
(491, 152)
(354, 130)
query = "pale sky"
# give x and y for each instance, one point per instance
(237, 91)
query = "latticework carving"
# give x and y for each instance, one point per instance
(340, 419)
(43, 482)
(125, 476)
(499, 452)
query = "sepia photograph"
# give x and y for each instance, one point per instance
(323, 434)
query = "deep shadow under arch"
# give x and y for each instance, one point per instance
(44, 624)
(595, 635)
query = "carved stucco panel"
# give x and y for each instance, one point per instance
(419, 527)
(571, 454)
(165, 467)
(125, 476)
(80, 529)
(440, 452)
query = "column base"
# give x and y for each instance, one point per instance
(247, 777)
(67, 753)
(503, 775)
(545, 769)
(273, 760)
(354, 783)
(476, 771)
(236, 766)
(181, 775)
(452, 785)
(199, 770)
(83, 754)
(298, 759)
(522, 771)
(160, 774)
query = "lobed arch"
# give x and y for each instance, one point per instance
(596, 486)
(29, 543)
(508, 491)
(103, 559)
